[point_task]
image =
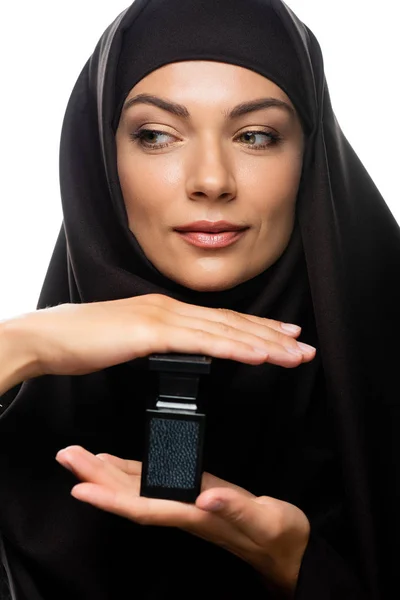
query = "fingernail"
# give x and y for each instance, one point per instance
(290, 327)
(295, 351)
(65, 449)
(306, 348)
(61, 453)
(65, 463)
(214, 505)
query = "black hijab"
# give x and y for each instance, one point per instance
(321, 436)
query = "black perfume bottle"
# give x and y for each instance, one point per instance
(172, 461)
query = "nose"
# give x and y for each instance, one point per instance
(210, 174)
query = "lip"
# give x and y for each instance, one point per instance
(210, 227)
(212, 240)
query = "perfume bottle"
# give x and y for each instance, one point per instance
(175, 425)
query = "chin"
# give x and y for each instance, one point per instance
(216, 287)
(214, 284)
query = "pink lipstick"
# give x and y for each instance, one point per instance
(211, 234)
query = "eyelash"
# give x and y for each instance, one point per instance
(139, 135)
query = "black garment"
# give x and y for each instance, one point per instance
(323, 436)
(248, 34)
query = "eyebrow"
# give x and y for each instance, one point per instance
(181, 111)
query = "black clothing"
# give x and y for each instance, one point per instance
(323, 436)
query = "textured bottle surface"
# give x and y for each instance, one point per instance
(173, 455)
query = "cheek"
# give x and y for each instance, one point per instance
(148, 188)
(272, 187)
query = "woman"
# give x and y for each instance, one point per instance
(202, 168)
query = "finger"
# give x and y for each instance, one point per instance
(210, 481)
(130, 467)
(222, 315)
(100, 496)
(226, 344)
(87, 467)
(239, 329)
(109, 488)
(179, 339)
(180, 333)
(132, 506)
(249, 517)
(184, 340)
(232, 324)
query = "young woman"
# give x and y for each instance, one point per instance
(212, 205)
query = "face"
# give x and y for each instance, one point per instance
(209, 170)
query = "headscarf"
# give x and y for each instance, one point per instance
(156, 38)
(320, 436)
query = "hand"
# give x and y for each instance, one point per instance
(75, 339)
(269, 534)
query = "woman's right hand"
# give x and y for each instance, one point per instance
(75, 339)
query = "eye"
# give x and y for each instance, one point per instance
(152, 138)
(259, 140)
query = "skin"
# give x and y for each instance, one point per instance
(269, 534)
(208, 170)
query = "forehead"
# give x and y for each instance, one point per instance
(204, 80)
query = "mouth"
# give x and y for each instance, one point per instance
(211, 235)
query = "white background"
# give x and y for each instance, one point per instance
(43, 47)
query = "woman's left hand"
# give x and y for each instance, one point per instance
(269, 534)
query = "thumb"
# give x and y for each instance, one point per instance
(229, 504)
